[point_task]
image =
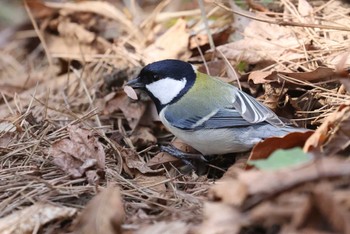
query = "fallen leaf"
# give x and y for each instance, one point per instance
(75, 31)
(333, 206)
(143, 137)
(29, 219)
(178, 227)
(236, 195)
(304, 8)
(101, 8)
(161, 158)
(270, 42)
(154, 183)
(266, 147)
(260, 182)
(320, 73)
(219, 218)
(165, 48)
(70, 48)
(78, 153)
(282, 158)
(262, 77)
(103, 214)
(132, 161)
(322, 133)
(133, 111)
(338, 135)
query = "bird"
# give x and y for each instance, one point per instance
(212, 116)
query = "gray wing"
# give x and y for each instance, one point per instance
(223, 118)
(252, 110)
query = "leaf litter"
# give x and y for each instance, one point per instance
(72, 141)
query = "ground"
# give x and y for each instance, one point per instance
(78, 154)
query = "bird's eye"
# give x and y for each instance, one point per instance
(156, 77)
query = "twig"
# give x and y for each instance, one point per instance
(205, 20)
(40, 36)
(282, 22)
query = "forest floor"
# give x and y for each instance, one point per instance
(77, 154)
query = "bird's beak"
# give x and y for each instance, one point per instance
(136, 83)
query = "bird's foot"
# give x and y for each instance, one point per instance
(185, 157)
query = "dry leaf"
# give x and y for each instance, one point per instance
(220, 218)
(143, 137)
(75, 31)
(266, 183)
(339, 134)
(321, 134)
(271, 42)
(132, 161)
(266, 147)
(70, 48)
(335, 208)
(154, 183)
(161, 158)
(304, 8)
(219, 192)
(262, 77)
(162, 227)
(103, 214)
(133, 111)
(33, 217)
(101, 8)
(78, 153)
(320, 73)
(166, 48)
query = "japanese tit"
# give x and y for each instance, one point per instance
(208, 114)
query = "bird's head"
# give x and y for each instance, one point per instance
(165, 81)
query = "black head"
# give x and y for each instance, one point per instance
(165, 81)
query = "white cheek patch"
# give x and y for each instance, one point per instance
(166, 89)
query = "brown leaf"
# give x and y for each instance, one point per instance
(29, 219)
(70, 48)
(178, 227)
(165, 48)
(75, 31)
(161, 158)
(266, 147)
(132, 161)
(220, 218)
(268, 183)
(101, 8)
(262, 77)
(235, 195)
(103, 214)
(320, 73)
(322, 133)
(155, 183)
(270, 42)
(133, 111)
(78, 153)
(335, 208)
(143, 137)
(39, 10)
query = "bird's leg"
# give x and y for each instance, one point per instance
(181, 155)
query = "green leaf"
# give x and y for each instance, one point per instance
(242, 66)
(281, 159)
